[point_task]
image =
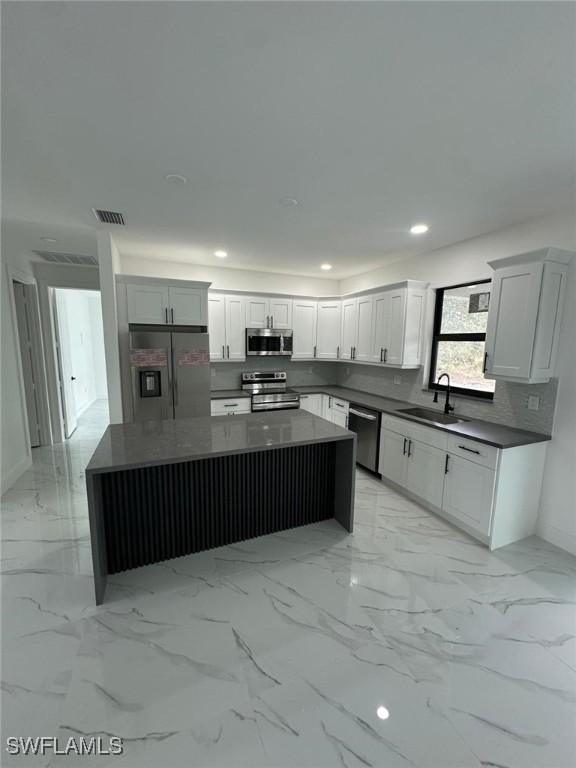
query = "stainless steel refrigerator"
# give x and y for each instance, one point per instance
(170, 373)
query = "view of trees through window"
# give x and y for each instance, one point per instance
(459, 336)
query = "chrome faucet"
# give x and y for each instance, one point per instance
(447, 406)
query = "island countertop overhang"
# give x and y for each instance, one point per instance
(145, 444)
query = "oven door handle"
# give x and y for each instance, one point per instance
(367, 416)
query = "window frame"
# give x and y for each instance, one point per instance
(437, 336)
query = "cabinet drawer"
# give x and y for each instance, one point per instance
(426, 435)
(339, 405)
(479, 453)
(233, 405)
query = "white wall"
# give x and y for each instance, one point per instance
(109, 266)
(231, 279)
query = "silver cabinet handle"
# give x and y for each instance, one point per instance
(267, 321)
(230, 405)
(337, 352)
(223, 355)
(227, 350)
(470, 450)
(485, 362)
(166, 311)
(404, 451)
(339, 405)
(385, 354)
(446, 465)
(409, 448)
(271, 321)
(381, 354)
(314, 351)
(363, 415)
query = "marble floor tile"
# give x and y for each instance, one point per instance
(404, 643)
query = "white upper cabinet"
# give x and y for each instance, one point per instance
(304, 321)
(257, 312)
(264, 312)
(524, 316)
(226, 327)
(349, 326)
(328, 329)
(363, 342)
(147, 304)
(281, 313)
(398, 326)
(162, 304)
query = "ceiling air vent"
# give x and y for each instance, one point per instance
(67, 258)
(109, 217)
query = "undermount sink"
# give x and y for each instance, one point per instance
(427, 415)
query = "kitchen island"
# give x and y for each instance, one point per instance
(164, 489)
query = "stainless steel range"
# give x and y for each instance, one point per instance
(269, 391)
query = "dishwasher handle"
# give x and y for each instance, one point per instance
(367, 416)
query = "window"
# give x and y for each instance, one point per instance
(459, 334)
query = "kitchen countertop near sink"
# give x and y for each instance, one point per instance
(498, 435)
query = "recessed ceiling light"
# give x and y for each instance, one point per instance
(288, 202)
(326, 266)
(49, 239)
(419, 229)
(220, 254)
(175, 178)
(383, 713)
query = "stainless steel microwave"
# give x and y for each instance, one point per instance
(268, 341)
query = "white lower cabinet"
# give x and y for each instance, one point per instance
(469, 492)
(311, 403)
(338, 412)
(491, 493)
(230, 406)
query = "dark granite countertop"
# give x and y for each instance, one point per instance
(223, 394)
(131, 446)
(498, 435)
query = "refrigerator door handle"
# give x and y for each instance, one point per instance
(175, 381)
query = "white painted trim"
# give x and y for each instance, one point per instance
(553, 535)
(9, 480)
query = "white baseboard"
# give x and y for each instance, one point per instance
(562, 539)
(9, 480)
(85, 407)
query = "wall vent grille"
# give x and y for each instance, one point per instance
(109, 217)
(67, 258)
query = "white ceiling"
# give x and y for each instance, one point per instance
(374, 116)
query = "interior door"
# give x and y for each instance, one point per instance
(67, 377)
(28, 370)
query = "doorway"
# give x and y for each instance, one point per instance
(79, 348)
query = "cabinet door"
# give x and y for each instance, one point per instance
(188, 306)
(217, 326)
(328, 329)
(393, 456)
(340, 418)
(363, 344)
(281, 313)
(380, 327)
(326, 407)
(394, 348)
(469, 492)
(257, 312)
(425, 472)
(147, 304)
(348, 328)
(235, 328)
(512, 320)
(312, 404)
(304, 341)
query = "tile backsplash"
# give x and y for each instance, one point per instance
(508, 407)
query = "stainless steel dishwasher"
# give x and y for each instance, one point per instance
(366, 424)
